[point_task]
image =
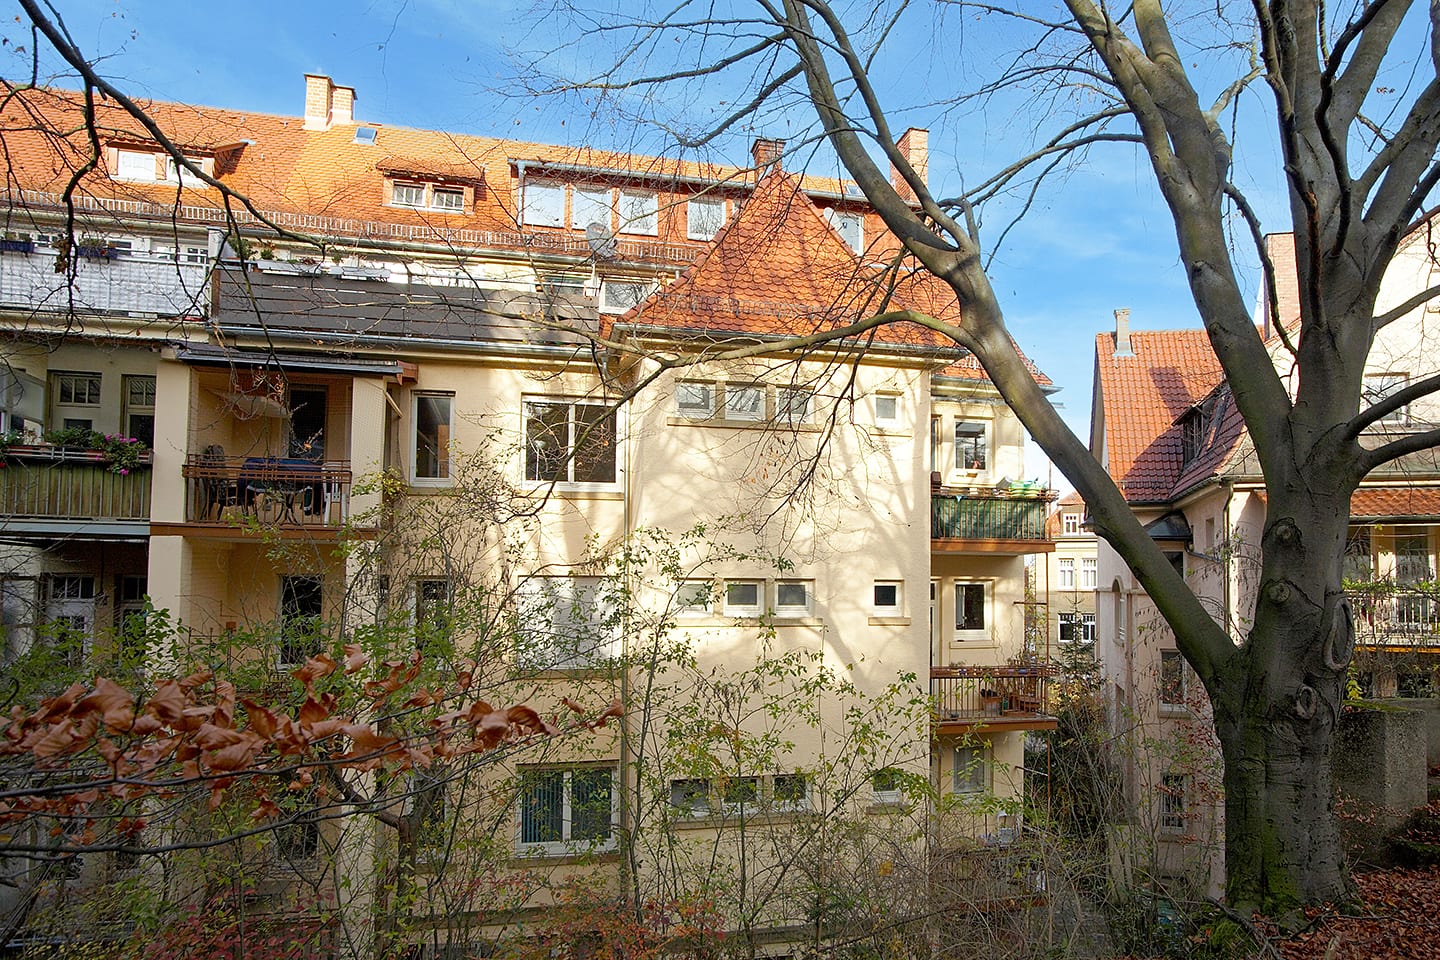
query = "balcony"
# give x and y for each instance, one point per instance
(1397, 618)
(49, 491)
(280, 492)
(989, 521)
(1000, 698)
(107, 281)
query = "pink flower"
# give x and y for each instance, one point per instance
(124, 472)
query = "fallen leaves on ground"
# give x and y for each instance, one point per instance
(1400, 921)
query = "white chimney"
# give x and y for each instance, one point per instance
(914, 146)
(1122, 333)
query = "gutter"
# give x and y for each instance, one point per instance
(410, 344)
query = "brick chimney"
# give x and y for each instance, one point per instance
(326, 104)
(914, 146)
(1122, 333)
(766, 154)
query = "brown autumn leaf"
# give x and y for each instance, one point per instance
(262, 721)
(614, 711)
(54, 740)
(355, 658)
(478, 711)
(320, 665)
(168, 704)
(235, 756)
(56, 707)
(313, 711)
(114, 703)
(573, 705)
(197, 679)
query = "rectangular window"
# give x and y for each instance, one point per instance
(792, 405)
(1172, 803)
(544, 204)
(887, 598)
(704, 216)
(617, 296)
(447, 200)
(566, 623)
(1067, 572)
(298, 838)
(969, 607)
(569, 442)
(639, 212)
(1359, 560)
(693, 598)
(744, 402)
(792, 598)
(1378, 386)
(175, 173)
(851, 228)
(1072, 524)
(1077, 627)
(887, 409)
(886, 786)
(301, 633)
(433, 609)
(135, 165)
(690, 798)
(407, 195)
(1088, 572)
(1412, 558)
(567, 811)
(789, 792)
(139, 412)
(969, 774)
(564, 284)
(742, 598)
(77, 389)
(695, 400)
(970, 451)
(1172, 679)
(740, 794)
(70, 614)
(590, 205)
(431, 452)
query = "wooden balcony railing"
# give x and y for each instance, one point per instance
(971, 696)
(105, 281)
(988, 516)
(226, 491)
(1396, 616)
(60, 483)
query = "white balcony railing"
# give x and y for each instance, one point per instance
(129, 283)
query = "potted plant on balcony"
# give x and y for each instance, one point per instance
(120, 453)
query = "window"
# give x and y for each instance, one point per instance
(617, 296)
(569, 442)
(887, 409)
(792, 598)
(639, 212)
(690, 798)
(1412, 558)
(447, 200)
(887, 598)
(566, 623)
(135, 165)
(432, 436)
(567, 811)
(850, 226)
(1172, 679)
(407, 195)
(1077, 627)
(1359, 564)
(434, 612)
(300, 611)
(744, 402)
(428, 798)
(70, 614)
(742, 598)
(789, 792)
(1088, 573)
(1379, 386)
(139, 413)
(970, 452)
(77, 389)
(695, 400)
(1195, 429)
(969, 606)
(934, 444)
(969, 774)
(1071, 522)
(590, 205)
(693, 598)
(740, 794)
(1067, 573)
(704, 217)
(792, 405)
(175, 173)
(130, 613)
(1172, 803)
(365, 136)
(298, 836)
(543, 204)
(564, 284)
(887, 785)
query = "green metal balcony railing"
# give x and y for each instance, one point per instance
(988, 516)
(57, 483)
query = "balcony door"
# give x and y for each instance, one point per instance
(307, 422)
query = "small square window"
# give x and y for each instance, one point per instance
(639, 212)
(590, 205)
(78, 423)
(690, 798)
(407, 195)
(617, 296)
(1072, 524)
(886, 785)
(790, 791)
(695, 400)
(740, 793)
(744, 402)
(544, 204)
(887, 597)
(77, 389)
(792, 598)
(704, 217)
(792, 405)
(742, 598)
(887, 408)
(448, 200)
(693, 598)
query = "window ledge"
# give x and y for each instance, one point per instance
(525, 858)
(575, 491)
(723, 424)
(1175, 710)
(889, 621)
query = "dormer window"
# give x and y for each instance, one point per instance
(427, 196)
(850, 226)
(152, 166)
(408, 195)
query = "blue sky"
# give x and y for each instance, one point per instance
(1098, 241)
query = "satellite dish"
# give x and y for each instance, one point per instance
(602, 245)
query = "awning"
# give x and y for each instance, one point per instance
(210, 355)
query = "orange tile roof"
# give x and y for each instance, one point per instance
(1394, 503)
(1054, 523)
(778, 269)
(1142, 396)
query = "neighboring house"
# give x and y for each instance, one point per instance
(1068, 579)
(1166, 428)
(501, 320)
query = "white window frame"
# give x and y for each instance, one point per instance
(749, 391)
(635, 293)
(442, 477)
(683, 601)
(1071, 524)
(894, 793)
(566, 623)
(706, 224)
(968, 426)
(1379, 385)
(787, 400)
(850, 226)
(438, 191)
(969, 771)
(804, 609)
(745, 805)
(566, 845)
(639, 212)
(888, 610)
(574, 430)
(691, 798)
(1065, 573)
(688, 389)
(1089, 573)
(537, 201)
(592, 205)
(743, 610)
(963, 632)
(136, 166)
(799, 804)
(410, 188)
(893, 401)
(1084, 623)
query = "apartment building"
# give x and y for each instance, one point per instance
(1069, 576)
(1165, 426)
(540, 400)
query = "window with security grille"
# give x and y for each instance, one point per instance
(1172, 803)
(567, 810)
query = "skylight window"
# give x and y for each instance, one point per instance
(366, 136)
